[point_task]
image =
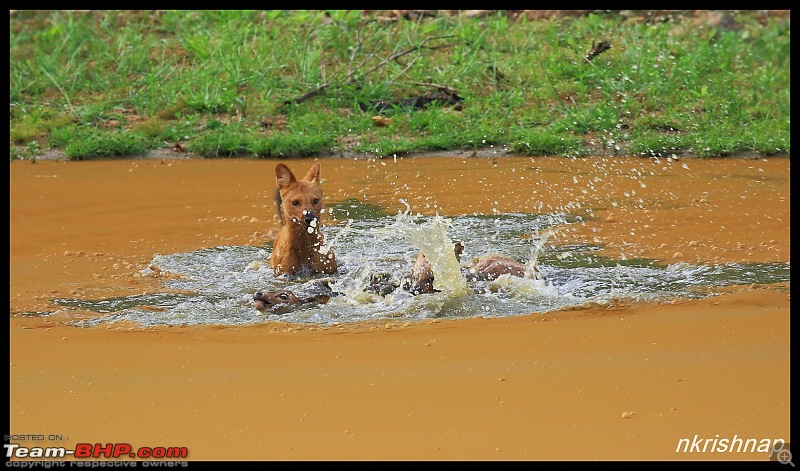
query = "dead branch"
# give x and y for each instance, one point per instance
(443, 88)
(358, 45)
(350, 77)
(415, 102)
(397, 55)
(307, 95)
(597, 49)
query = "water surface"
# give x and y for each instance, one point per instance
(188, 242)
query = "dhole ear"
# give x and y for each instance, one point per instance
(313, 172)
(285, 177)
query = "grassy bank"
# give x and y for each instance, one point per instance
(277, 83)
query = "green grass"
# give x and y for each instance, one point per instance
(227, 83)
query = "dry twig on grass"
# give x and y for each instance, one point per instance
(356, 75)
(597, 49)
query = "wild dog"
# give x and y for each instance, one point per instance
(298, 248)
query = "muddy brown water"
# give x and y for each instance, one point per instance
(90, 229)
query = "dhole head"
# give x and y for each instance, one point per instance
(299, 201)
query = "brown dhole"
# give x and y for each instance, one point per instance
(297, 248)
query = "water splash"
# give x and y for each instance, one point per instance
(537, 244)
(328, 245)
(432, 240)
(353, 285)
(215, 286)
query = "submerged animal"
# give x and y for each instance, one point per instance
(300, 247)
(283, 301)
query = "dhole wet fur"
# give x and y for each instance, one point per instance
(299, 248)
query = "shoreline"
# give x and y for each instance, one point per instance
(483, 152)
